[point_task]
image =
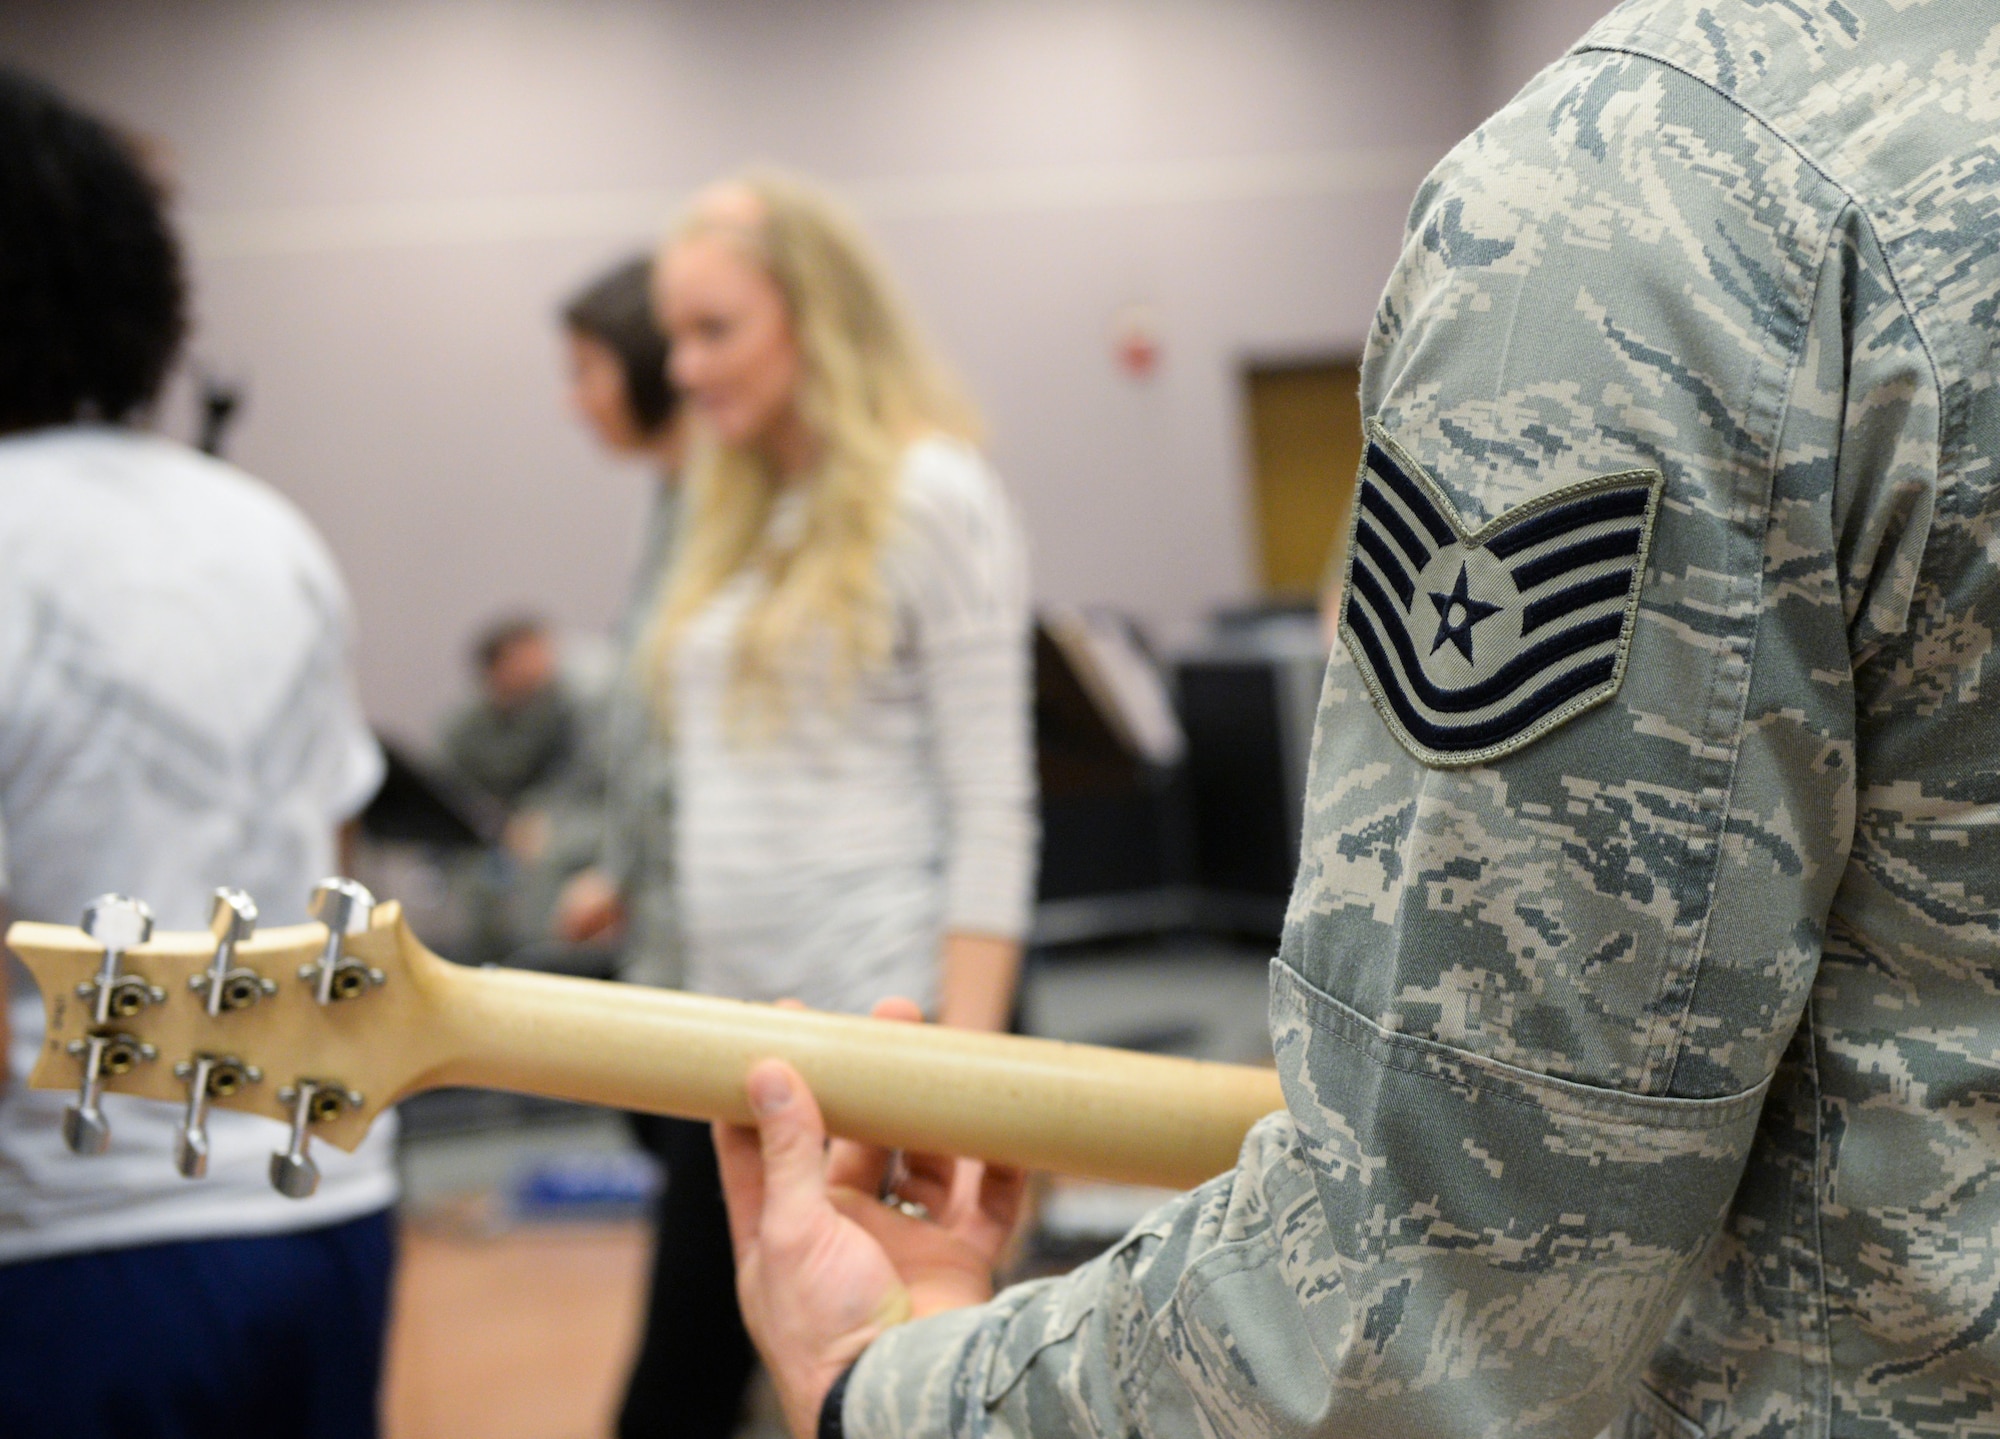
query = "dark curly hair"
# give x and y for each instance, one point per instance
(617, 309)
(92, 301)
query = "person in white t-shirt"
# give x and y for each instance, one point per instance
(176, 714)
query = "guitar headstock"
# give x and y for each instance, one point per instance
(320, 1026)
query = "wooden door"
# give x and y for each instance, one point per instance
(1305, 437)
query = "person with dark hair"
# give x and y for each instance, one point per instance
(618, 367)
(618, 364)
(618, 386)
(177, 714)
(92, 303)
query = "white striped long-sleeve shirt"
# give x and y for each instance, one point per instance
(827, 859)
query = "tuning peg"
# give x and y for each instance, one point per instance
(85, 1129)
(232, 918)
(344, 907)
(293, 1173)
(313, 1101)
(117, 923)
(191, 1139)
(208, 1077)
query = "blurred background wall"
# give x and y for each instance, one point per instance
(386, 199)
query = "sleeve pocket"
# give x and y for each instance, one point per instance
(1509, 1236)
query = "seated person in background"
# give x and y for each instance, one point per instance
(526, 742)
(520, 732)
(176, 714)
(599, 871)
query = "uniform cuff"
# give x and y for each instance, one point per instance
(928, 1377)
(830, 1426)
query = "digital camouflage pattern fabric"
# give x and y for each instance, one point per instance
(1644, 1080)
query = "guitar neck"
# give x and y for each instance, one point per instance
(1036, 1103)
(410, 1021)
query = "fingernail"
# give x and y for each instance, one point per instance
(770, 1091)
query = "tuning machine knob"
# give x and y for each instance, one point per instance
(344, 907)
(313, 1101)
(85, 1129)
(227, 985)
(118, 923)
(208, 1076)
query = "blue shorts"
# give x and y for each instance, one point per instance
(274, 1337)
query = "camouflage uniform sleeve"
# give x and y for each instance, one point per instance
(1532, 995)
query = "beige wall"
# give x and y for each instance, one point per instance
(1519, 37)
(386, 200)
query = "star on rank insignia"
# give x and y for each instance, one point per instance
(1474, 643)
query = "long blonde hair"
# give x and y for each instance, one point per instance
(868, 386)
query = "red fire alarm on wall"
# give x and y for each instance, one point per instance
(1135, 340)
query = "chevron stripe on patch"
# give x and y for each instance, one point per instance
(1477, 642)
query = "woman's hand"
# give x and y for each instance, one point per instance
(589, 907)
(823, 1266)
(980, 973)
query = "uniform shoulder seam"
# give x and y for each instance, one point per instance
(1677, 1035)
(1850, 200)
(1850, 204)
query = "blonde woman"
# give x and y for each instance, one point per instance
(841, 665)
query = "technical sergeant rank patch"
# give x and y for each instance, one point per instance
(1476, 643)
